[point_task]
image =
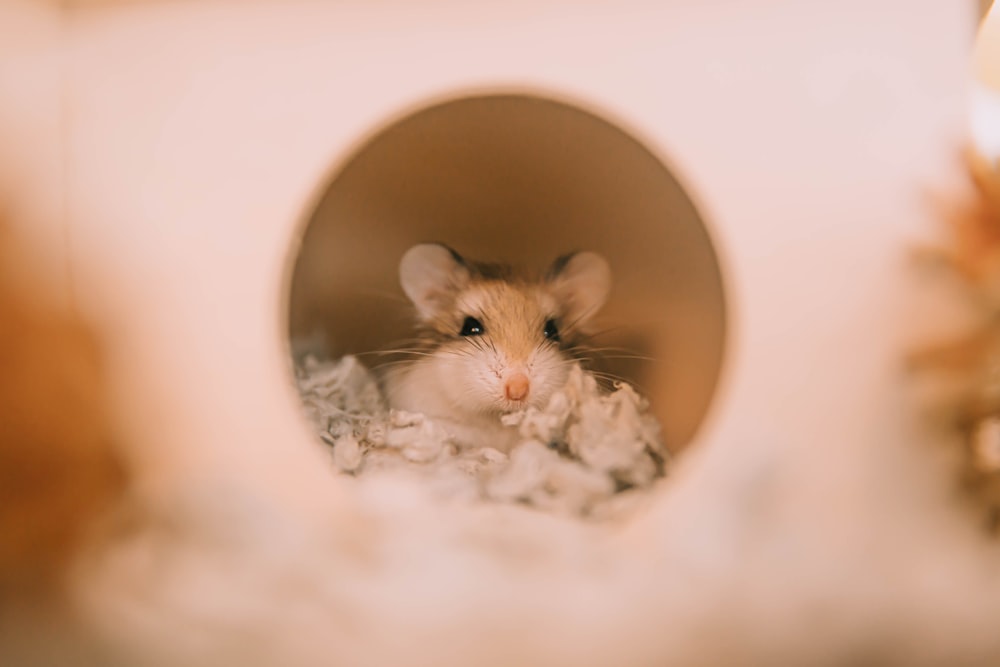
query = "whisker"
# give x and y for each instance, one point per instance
(611, 379)
(386, 353)
(638, 357)
(605, 348)
(390, 364)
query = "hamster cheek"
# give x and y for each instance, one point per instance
(468, 380)
(484, 386)
(549, 371)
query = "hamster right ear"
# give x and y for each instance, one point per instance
(430, 274)
(582, 283)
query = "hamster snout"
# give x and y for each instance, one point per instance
(491, 341)
(517, 386)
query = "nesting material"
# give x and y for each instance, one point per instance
(589, 453)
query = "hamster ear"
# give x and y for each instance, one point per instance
(430, 274)
(582, 281)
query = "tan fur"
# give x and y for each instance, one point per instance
(515, 301)
(468, 381)
(514, 314)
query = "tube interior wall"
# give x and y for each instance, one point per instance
(522, 179)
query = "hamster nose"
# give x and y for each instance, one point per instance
(517, 386)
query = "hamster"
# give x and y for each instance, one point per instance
(491, 341)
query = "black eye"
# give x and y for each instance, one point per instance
(551, 331)
(471, 327)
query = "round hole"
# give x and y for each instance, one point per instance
(524, 179)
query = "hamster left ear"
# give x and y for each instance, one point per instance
(582, 281)
(430, 274)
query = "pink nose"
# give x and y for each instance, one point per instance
(516, 388)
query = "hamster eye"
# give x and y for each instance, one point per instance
(551, 331)
(471, 327)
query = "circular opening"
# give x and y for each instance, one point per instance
(520, 179)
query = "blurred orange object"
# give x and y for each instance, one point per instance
(58, 470)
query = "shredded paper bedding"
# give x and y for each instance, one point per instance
(588, 453)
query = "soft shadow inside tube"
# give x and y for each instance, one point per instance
(522, 179)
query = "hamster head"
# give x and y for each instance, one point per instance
(496, 342)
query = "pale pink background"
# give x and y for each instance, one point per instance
(178, 149)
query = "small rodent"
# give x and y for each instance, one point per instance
(491, 341)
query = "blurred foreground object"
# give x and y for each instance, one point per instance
(966, 370)
(963, 373)
(58, 471)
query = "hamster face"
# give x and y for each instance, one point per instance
(493, 342)
(499, 348)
